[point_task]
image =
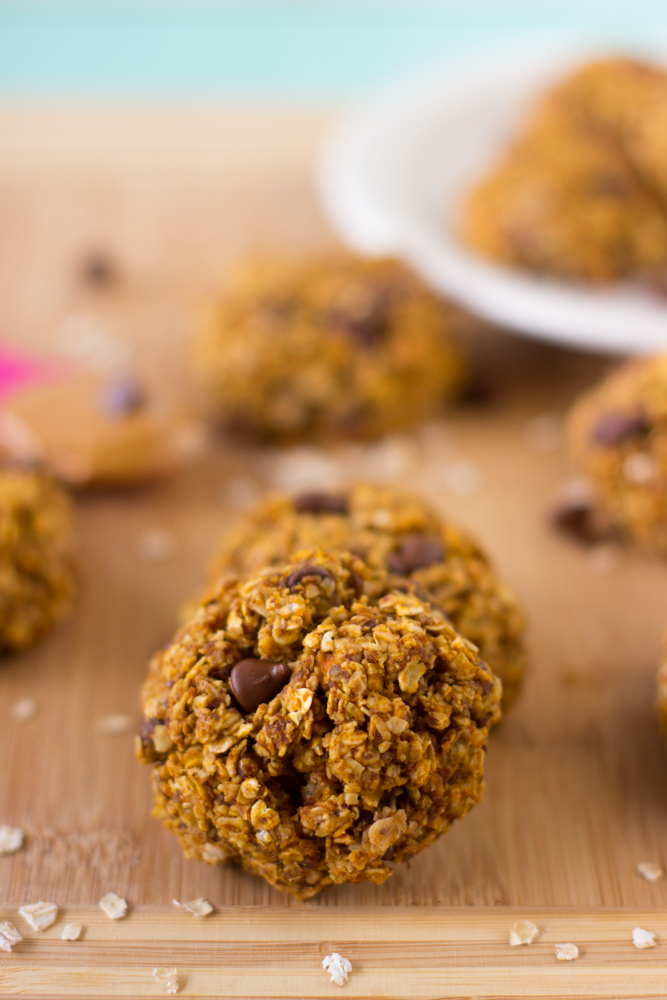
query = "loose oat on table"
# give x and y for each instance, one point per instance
(157, 545)
(71, 932)
(82, 338)
(523, 932)
(460, 478)
(39, 915)
(115, 724)
(9, 936)
(643, 939)
(338, 968)
(391, 529)
(11, 839)
(36, 565)
(566, 952)
(315, 724)
(169, 977)
(114, 906)
(617, 434)
(335, 346)
(200, 907)
(24, 709)
(545, 432)
(604, 559)
(580, 193)
(649, 870)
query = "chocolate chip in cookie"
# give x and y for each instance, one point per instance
(616, 427)
(121, 396)
(321, 503)
(305, 571)
(415, 552)
(256, 682)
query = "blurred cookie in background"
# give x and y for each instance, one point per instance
(617, 434)
(580, 194)
(325, 347)
(36, 568)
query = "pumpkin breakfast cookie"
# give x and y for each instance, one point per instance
(312, 723)
(394, 531)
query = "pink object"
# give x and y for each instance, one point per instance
(17, 370)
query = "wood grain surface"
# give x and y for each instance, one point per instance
(576, 777)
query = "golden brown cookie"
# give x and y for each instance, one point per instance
(86, 428)
(618, 435)
(573, 196)
(36, 577)
(393, 531)
(325, 347)
(313, 732)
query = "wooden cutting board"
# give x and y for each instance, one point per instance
(577, 779)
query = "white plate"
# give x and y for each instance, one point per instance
(391, 178)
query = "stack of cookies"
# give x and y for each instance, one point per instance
(325, 707)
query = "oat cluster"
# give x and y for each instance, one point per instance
(325, 347)
(581, 192)
(36, 578)
(367, 752)
(618, 435)
(394, 531)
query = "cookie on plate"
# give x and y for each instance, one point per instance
(394, 531)
(325, 347)
(573, 197)
(36, 577)
(618, 436)
(313, 733)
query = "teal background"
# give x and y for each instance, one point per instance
(303, 50)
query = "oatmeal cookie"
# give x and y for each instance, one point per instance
(312, 724)
(618, 435)
(325, 347)
(36, 578)
(576, 195)
(394, 531)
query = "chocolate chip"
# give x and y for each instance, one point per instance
(98, 269)
(304, 571)
(583, 522)
(416, 551)
(321, 503)
(368, 321)
(478, 391)
(609, 185)
(356, 582)
(255, 682)
(614, 428)
(122, 396)
(220, 673)
(147, 727)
